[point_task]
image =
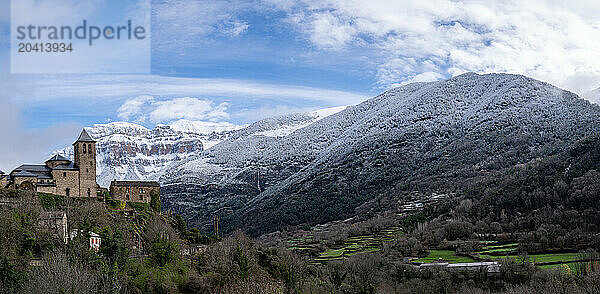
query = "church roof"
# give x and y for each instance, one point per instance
(85, 137)
(1, 172)
(70, 166)
(24, 173)
(58, 157)
(33, 168)
(39, 171)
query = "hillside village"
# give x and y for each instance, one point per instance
(60, 177)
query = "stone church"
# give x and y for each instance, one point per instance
(60, 175)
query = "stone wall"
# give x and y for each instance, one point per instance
(21, 180)
(66, 179)
(56, 222)
(133, 193)
(4, 181)
(46, 189)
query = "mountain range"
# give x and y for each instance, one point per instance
(127, 151)
(331, 164)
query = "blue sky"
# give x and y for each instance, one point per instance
(234, 62)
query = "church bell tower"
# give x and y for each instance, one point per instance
(85, 159)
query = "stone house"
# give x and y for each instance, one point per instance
(56, 222)
(133, 191)
(60, 175)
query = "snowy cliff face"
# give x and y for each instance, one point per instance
(127, 151)
(319, 170)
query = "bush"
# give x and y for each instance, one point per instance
(116, 204)
(138, 206)
(51, 201)
(155, 201)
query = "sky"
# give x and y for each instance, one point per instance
(228, 63)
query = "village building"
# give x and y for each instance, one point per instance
(59, 175)
(134, 191)
(94, 239)
(56, 222)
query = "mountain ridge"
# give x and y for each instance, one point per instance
(498, 120)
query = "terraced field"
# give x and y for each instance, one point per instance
(373, 243)
(351, 246)
(499, 249)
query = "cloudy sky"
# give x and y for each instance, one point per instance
(233, 62)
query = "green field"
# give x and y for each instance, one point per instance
(444, 255)
(332, 253)
(499, 249)
(537, 258)
(352, 246)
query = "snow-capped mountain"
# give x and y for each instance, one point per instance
(321, 170)
(127, 151)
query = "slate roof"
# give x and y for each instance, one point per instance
(39, 171)
(70, 166)
(34, 168)
(24, 173)
(58, 157)
(1, 172)
(134, 184)
(85, 137)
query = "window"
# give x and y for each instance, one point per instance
(89, 192)
(127, 197)
(84, 149)
(87, 170)
(64, 174)
(127, 189)
(68, 191)
(141, 197)
(141, 190)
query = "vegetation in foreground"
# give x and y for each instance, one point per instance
(544, 212)
(236, 264)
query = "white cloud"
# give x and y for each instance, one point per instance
(181, 24)
(37, 11)
(142, 108)
(20, 145)
(107, 87)
(236, 28)
(188, 108)
(556, 41)
(133, 107)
